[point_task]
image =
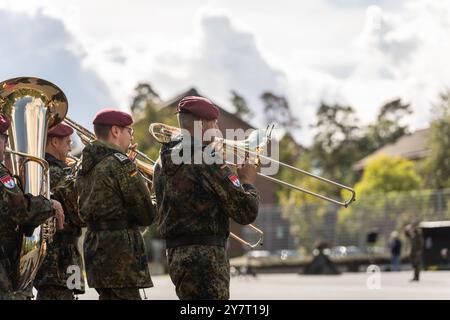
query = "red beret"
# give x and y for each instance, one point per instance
(199, 106)
(4, 123)
(61, 130)
(113, 117)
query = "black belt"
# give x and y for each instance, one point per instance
(211, 240)
(110, 225)
(67, 238)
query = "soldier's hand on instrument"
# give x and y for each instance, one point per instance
(59, 214)
(132, 154)
(247, 173)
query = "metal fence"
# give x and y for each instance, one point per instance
(301, 227)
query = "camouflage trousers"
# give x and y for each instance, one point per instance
(118, 293)
(4, 295)
(200, 272)
(54, 293)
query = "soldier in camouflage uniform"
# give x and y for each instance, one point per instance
(195, 203)
(17, 210)
(414, 234)
(114, 201)
(51, 280)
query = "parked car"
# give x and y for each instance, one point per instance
(344, 251)
(286, 254)
(258, 254)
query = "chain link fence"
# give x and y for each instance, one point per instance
(302, 227)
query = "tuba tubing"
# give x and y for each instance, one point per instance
(33, 105)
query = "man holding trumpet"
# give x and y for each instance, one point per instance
(51, 279)
(114, 202)
(195, 203)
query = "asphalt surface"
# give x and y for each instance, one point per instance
(434, 285)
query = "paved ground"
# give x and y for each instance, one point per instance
(386, 285)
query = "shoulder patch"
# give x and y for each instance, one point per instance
(234, 180)
(8, 181)
(122, 158)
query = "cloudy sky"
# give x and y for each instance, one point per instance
(355, 52)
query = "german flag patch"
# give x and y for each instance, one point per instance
(8, 181)
(133, 173)
(234, 180)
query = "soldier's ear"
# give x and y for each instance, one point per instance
(53, 141)
(115, 131)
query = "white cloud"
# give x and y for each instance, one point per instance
(35, 44)
(308, 52)
(216, 59)
(402, 54)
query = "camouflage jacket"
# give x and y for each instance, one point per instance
(110, 189)
(16, 210)
(63, 251)
(199, 199)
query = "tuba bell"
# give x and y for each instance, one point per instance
(34, 106)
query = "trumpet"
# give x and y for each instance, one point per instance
(87, 137)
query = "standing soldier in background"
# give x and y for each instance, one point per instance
(114, 201)
(17, 210)
(414, 234)
(51, 280)
(195, 203)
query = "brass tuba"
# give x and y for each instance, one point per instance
(34, 106)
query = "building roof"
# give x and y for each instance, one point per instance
(412, 146)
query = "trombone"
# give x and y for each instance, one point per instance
(145, 169)
(87, 137)
(164, 133)
(253, 146)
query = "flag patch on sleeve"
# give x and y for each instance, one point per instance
(234, 180)
(8, 182)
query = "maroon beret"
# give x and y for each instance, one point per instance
(61, 130)
(4, 123)
(113, 117)
(198, 106)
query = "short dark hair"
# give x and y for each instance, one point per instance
(186, 120)
(49, 139)
(102, 131)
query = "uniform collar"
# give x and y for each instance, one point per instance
(53, 160)
(108, 145)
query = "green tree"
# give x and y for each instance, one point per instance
(438, 164)
(335, 145)
(387, 127)
(382, 196)
(144, 94)
(306, 214)
(242, 110)
(277, 110)
(384, 174)
(333, 152)
(147, 109)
